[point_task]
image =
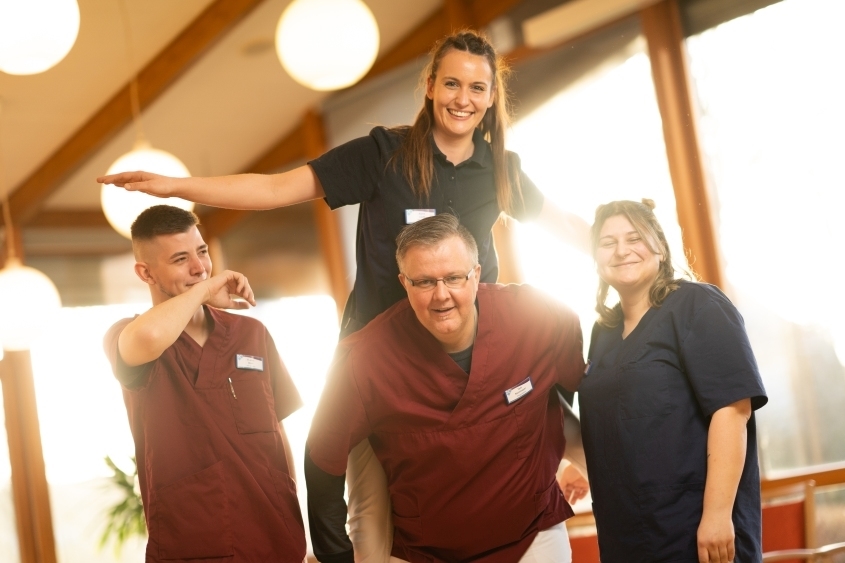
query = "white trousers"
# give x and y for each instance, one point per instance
(370, 523)
(371, 527)
(550, 546)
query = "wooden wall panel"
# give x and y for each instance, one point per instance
(31, 497)
(328, 227)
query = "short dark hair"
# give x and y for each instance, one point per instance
(162, 220)
(432, 231)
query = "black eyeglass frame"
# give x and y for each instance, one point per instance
(459, 280)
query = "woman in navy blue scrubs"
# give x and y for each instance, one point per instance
(667, 406)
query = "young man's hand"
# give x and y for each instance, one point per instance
(222, 288)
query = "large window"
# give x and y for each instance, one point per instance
(598, 139)
(770, 89)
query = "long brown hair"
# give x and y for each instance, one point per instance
(642, 218)
(416, 154)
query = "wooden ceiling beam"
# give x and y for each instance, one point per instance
(485, 11)
(417, 43)
(67, 218)
(216, 222)
(288, 150)
(454, 14)
(292, 148)
(28, 198)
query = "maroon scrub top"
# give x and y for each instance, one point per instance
(211, 462)
(471, 477)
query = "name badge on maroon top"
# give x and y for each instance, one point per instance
(518, 391)
(254, 363)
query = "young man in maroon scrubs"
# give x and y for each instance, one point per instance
(205, 391)
(455, 389)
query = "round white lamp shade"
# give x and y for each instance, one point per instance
(36, 34)
(30, 300)
(121, 207)
(327, 44)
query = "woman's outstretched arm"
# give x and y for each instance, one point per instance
(568, 227)
(242, 191)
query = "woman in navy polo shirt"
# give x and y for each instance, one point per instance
(451, 160)
(667, 406)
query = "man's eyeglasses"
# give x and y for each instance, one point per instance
(452, 282)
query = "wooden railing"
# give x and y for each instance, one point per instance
(824, 476)
(820, 554)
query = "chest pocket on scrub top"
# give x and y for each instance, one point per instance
(530, 416)
(644, 389)
(252, 402)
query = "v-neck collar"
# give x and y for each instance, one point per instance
(206, 312)
(631, 342)
(431, 349)
(205, 357)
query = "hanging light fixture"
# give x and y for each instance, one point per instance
(120, 206)
(36, 34)
(31, 298)
(327, 44)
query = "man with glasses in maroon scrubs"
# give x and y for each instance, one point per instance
(455, 389)
(205, 391)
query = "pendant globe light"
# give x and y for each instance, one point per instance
(31, 298)
(327, 44)
(121, 207)
(35, 35)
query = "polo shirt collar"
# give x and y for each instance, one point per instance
(481, 155)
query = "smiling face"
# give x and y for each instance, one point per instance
(447, 313)
(461, 92)
(624, 259)
(172, 264)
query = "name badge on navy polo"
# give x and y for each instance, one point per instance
(414, 215)
(254, 363)
(518, 391)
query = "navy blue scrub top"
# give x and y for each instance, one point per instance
(364, 171)
(646, 404)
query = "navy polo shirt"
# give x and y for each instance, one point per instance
(364, 171)
(646, 404)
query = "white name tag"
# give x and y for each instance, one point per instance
(254, 363)
(414, 215)
(523, 388)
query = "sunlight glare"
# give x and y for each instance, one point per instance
(596, 141)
